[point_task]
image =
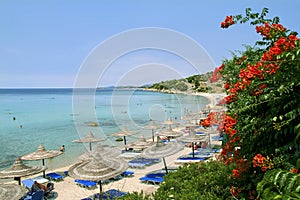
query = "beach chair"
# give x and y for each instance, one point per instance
(28, 183)
(113, 193)
(54, 176)
(182, 160)
(127, 173)
(154, 180)
(38, 195)
(86, 183)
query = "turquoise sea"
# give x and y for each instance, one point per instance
(29, 117)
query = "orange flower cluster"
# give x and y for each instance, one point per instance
(216, 75)
(229, 123)
(282, 44)
(213, 118)
(228, 149)
(262, 162)
(268, 30)
(294, 170)
(228, 22)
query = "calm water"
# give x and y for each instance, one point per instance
(29, 117)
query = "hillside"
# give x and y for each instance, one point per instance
(195, 83)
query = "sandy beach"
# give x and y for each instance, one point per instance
(67, 189)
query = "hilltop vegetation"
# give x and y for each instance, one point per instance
(195, 83)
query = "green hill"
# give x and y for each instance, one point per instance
(195, 83)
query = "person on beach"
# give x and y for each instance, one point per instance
(37, 186)
(62, 148)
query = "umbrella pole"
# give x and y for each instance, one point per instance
(125, 142)
(43, 161)
(18, 179)
(90, 146)
(152, 135)
(100, 188)
(165, 164)
(193, 149)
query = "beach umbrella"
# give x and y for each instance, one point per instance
(104, 150)
(190, 125)
(123, 133)
(97, 169)
(89, 138)
(41, 154)
(161, 150)
(151, 126)
(140, 144)
(19, 169)
(169, 133)
(170, 122)
(12, 191)
(192, 138)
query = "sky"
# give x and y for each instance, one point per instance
(53, 43)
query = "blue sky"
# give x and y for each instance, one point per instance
(44, 43)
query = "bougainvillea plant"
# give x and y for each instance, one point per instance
(263, 100)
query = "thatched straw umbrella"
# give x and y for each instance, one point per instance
(12, 191)
(151, 126)
(123, 133)
(89, 138)
(192, 138)
(19, 169)
(98, 169)
(104, 150)
(140, 144)
(161, 150)
(41, 154)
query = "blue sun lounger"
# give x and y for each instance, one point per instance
(155, 178)
(128, 173)
(86, 183)
(54, 176)
(109, 194)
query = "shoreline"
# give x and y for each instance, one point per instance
(130, 184)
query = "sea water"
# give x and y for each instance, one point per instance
(29, 117)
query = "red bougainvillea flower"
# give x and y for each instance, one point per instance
(268, 30)
(216, 75)
(236, 174)
(294, 170)
(228, 22)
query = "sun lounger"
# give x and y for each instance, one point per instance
(38, 195)
(29, 182)
(142, 162)
(127, 173)
(182, 160)
(199, 155)
(115, 193)
(154, 180)
(217, 138)
(109, 194)
(54, 176)
(86, 183)
(129, 155)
